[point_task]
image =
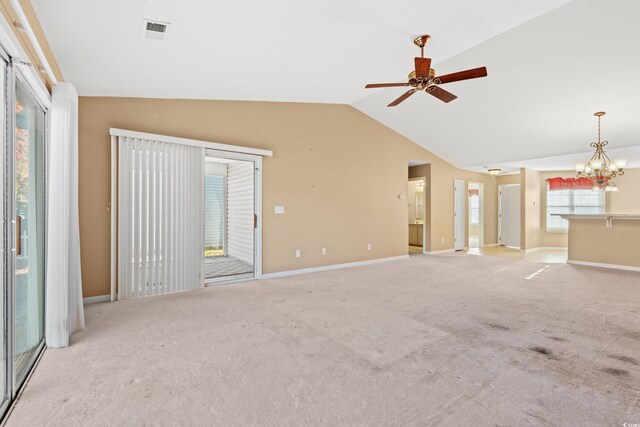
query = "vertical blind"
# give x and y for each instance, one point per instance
(160, 217)
(214, 208)
(240, 210)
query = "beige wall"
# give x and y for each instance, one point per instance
(530, 213)
(591, 241)
(627, 199)
(337, 171)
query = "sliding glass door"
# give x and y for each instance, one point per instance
(22, 238)
(5, 306)
(29, 230)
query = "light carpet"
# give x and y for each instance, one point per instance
(432, 340)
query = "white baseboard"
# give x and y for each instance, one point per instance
(545, 248)
(603, 265)
(444, 251)
(99, 298)
(331, 267)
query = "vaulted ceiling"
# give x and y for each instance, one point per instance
(552, 63)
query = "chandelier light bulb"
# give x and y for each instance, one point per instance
(621, 163)
(611, 187)
(596, 164)
(580, 166)
(587, 169)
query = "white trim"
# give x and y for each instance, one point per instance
(544, 248)
(33, 39)
(113, 207)
(332, 267)
(186, 141)
(603, 265)
(444, 251)
(96, 299)
(465, 227)
(14, 49)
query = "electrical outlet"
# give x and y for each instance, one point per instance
(369, 247)
(298, 254)
(324, 251)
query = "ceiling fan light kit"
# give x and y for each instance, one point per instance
(424, 78)
(600, 169)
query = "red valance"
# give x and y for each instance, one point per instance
(570, 183)
(474, 192)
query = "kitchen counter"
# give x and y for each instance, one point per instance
(604, 240)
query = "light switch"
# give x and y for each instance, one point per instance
(279, 210)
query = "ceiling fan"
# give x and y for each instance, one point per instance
(424, 78)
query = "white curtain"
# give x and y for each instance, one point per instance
(160, 217)
(64, 311)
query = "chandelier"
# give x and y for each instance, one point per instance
(600, 169)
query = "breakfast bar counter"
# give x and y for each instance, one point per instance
(604, 240)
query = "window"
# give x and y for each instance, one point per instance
(474, 209)
(571, 202)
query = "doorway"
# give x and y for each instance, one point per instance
(475, 205)
(229, 218)
(416, 203)
(509, 215)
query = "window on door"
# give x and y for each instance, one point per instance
(571, 202)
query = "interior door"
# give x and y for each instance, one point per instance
(509, 215)
(459, 214)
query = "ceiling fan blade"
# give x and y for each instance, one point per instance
(462, 75)
(403, 97)
(441, 94)
(423, 65)
(373, 85)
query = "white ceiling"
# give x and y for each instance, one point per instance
(551, 63)
(546, 79)
(278, 50)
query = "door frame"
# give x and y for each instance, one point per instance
(257, 211)
(424, 212)
(500, 187)
(15, 384)
(455, 216)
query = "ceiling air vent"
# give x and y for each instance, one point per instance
(155, 30)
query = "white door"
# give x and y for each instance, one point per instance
(509, 215)
(459, 214)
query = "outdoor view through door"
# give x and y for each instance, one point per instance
(229, 197)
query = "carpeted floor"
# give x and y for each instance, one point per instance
(432, 340)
